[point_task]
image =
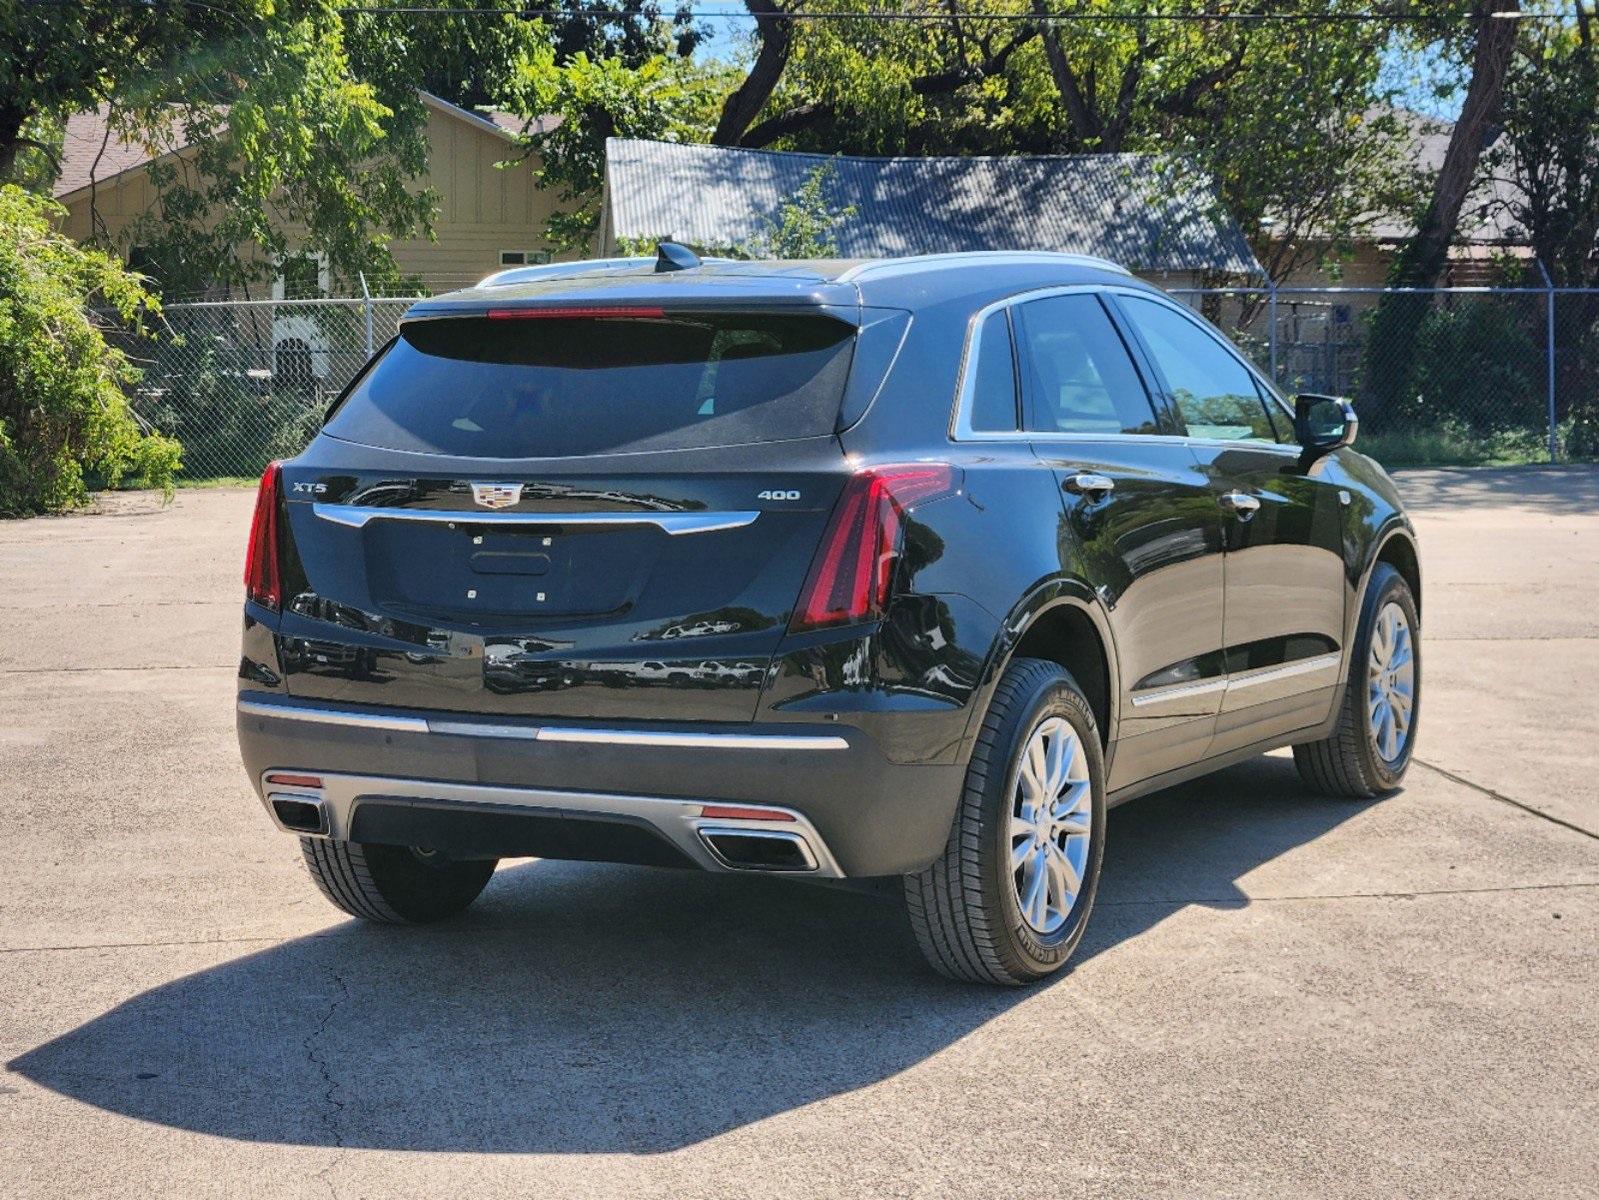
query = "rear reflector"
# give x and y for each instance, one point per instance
(853, 572)
(262, 581)
(733, 812)
(549, 314)
(305, 781)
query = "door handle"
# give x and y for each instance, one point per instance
(1086, 483)
(1240, 504)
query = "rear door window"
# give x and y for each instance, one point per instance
(1080, 377)
(558, 386)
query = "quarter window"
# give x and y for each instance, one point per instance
(994, 386)
(1080, 376)
(1214, 392)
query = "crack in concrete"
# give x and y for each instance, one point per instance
(1504, 799)
(335, 1106)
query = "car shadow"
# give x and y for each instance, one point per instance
(597, 1009)
(1567, 489)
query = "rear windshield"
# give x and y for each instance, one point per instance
(517, 387)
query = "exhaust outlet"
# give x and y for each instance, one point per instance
(759, 849)
(299, 814)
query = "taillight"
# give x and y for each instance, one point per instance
(263, 582)
(569, 312)
(853, 571)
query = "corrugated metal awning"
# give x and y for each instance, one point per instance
(1146, 212)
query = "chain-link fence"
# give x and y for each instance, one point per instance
(1454, 376)
(1444, 375)
(240, 383)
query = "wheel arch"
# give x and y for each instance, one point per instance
(1398, 550)
(1060, 621)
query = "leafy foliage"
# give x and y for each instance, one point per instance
(301, 118)
(63, 411)
(803, 226)
(664, 98)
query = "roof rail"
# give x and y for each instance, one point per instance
(958, 258)
(591, 266)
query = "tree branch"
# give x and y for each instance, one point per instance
(739, 110)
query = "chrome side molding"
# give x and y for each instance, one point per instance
(358, 516)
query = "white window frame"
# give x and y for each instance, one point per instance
(530, 258)
(324, 278)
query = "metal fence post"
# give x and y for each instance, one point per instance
(367, 304)
(1549, 347)
(1271, 306)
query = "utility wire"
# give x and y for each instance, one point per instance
(700, 14)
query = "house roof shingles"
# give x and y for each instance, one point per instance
(1116, 206)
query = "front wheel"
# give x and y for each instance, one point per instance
(1009, 899)
(1370, 748)
(394, 885)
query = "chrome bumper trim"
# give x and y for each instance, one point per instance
(710, 741)
(357, 516)
(329, 716)
(679, 821)
(546, 733)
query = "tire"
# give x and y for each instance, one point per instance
(1351, 763)
(967, 908)
(395, 885)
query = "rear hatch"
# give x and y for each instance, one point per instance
(566, 512)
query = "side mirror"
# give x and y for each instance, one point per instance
(1324, 423)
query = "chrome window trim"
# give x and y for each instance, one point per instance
(357, 516)
(584, 735)
(960, 424)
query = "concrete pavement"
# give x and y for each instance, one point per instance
(1279, 994)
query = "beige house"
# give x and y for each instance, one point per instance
(488, 218)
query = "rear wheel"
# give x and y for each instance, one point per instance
(1009, 899)
(397, 885)
(1369, 751)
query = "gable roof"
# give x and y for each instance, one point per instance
(1115, 206)
(1484, 218)
(92, 153)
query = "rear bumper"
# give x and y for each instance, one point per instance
(405, 772)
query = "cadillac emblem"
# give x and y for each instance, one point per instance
(496, 495)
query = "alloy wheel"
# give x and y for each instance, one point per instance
(1391, 682)
(1051, 825)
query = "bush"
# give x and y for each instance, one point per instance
(230, 423)
(1477, 365)
(63, 411)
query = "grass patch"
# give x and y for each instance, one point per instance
(1452, 445)
(220, 481)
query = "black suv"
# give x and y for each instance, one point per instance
(841, 570)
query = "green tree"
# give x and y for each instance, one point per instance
(804, 223)
(63, 411)
(1399, 316)
(297, 114)
(1550, 152)
(663, 98)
